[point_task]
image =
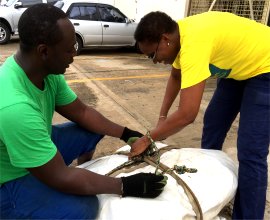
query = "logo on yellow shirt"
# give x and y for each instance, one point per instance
(218, 72)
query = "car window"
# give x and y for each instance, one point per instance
(59, 4)
(83, 13)
(117, 16)
(10, 2)
(110, 14)
(28, 3)
(51, 2)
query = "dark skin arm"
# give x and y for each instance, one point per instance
(73, 180)
(57, 175)
(189, 105)
(172, 90)
(90, 119)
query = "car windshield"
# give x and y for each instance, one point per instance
(59, 4)
(10, 2)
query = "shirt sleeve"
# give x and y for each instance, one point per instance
(193, 60)
(26, 138)
(65, 94)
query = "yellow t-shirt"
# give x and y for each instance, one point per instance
(221, 44)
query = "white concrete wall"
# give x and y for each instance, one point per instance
(136, 9)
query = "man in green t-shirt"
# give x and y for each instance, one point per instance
(36, 181)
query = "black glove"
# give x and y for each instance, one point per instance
(145, 185)
(127, 133)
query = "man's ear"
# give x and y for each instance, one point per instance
(42, 50)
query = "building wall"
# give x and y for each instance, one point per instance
(136, 9)
(177, 9)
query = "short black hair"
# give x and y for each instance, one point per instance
(153, 25)
(38, 25)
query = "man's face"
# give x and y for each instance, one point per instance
(61, 54)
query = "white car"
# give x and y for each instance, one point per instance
(10, 13)
(98, 25)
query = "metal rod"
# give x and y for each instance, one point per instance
(212, 5)
(251, 9)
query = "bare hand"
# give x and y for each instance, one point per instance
(139, 146)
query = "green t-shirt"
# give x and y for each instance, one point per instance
(26, 119)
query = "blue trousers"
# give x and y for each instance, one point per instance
(28, 198)
(250, 98)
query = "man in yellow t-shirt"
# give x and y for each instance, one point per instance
(236, 50)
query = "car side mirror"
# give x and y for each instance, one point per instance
(18, 5)
(128, 20)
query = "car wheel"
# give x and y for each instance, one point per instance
(4, 33)
(78, 46)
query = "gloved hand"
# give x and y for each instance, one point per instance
(127, 133)
(144, 185)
